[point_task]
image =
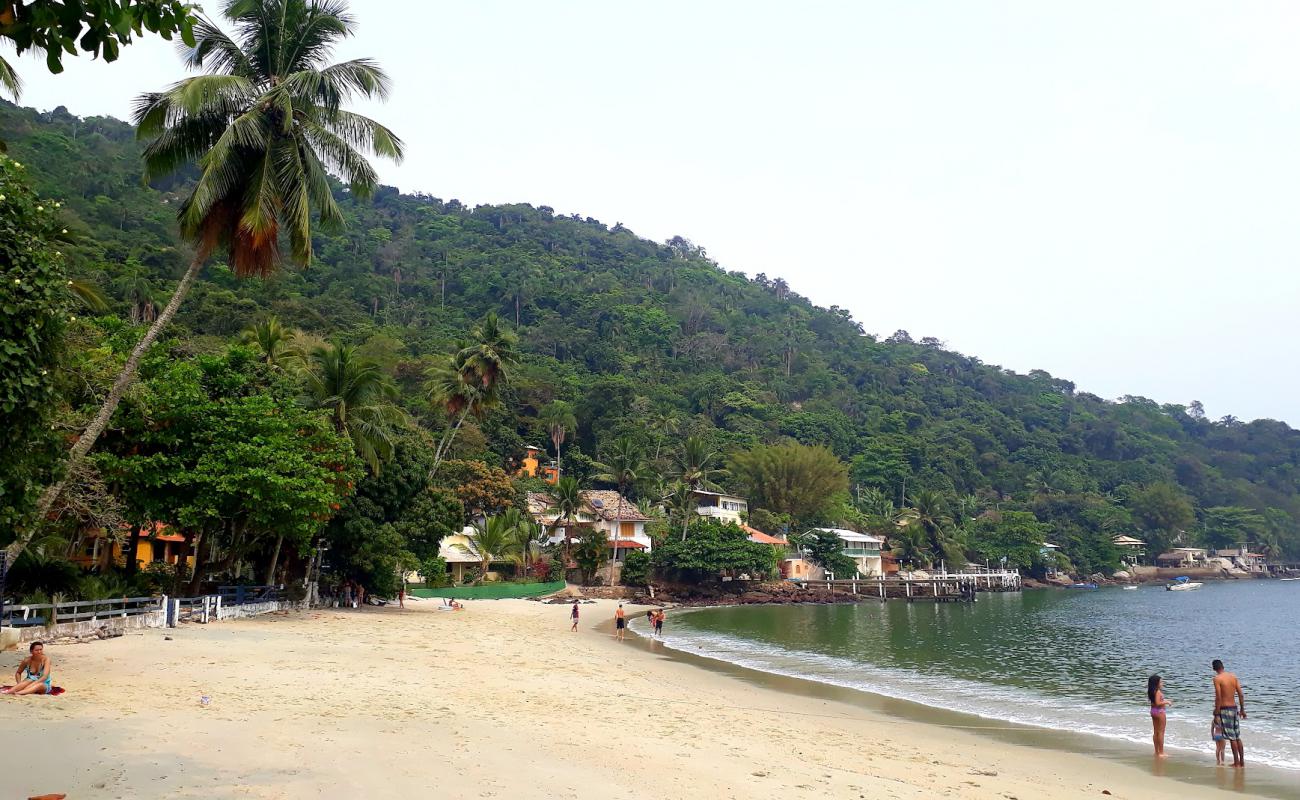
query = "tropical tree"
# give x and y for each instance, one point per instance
(470, 380)
(265, 125)
(135, 288)
(558, 419)
(699, 465)
(359, 397)
(911, 546)
(664, 423)
(681, 500)
(524, 533)
(624, 464)
(270, 337)
(566, 503)
(798, 480)
(493, 540)
(929, 513)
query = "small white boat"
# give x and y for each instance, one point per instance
(1290, 579)
(1183, 585)
(1130, 588)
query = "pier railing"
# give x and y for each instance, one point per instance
(942, 586)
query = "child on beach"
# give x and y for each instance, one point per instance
(1159, 704)
(573, 615)
(1216, 733)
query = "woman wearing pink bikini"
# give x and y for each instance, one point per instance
(1156, 694)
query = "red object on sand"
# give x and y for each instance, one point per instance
(55, 692)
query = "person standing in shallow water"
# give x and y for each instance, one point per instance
(1159, 705)
(1229, 709)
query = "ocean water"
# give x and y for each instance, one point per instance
(1072, 661)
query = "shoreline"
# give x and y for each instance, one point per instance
(1187, 767)
(499, 700)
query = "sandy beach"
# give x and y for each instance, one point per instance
(499, 700)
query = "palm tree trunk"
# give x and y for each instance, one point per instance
(275, 557)
(445, 444)
(88, 437)
(618, 531)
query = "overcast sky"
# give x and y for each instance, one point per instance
(1109, 191)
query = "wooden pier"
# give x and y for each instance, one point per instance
(952, 587)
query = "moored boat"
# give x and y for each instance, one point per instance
(1183, 584)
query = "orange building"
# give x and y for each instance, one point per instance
(158, 543)
(533, 467)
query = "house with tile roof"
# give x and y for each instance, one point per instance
(621, 519)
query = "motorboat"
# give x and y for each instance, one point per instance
(1130, 588)
(1183, 584)
(1082, 586)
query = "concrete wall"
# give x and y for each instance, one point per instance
(88, 627)
(255, 609)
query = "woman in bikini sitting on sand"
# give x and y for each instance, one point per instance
(33, 674)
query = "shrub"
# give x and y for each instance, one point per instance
(434, 571)
(636, 568)
(711, 548)
(555, 569)
(540, 568)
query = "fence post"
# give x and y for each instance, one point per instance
(217, 611)
(166, 608)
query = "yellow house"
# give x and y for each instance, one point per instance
(158, 543)
(531, 466)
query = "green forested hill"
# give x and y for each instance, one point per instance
(634, 333)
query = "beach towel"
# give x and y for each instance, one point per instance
(55, 692)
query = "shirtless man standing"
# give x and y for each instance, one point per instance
(1229, 706)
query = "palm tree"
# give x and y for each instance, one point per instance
(566, 504)
(270, 337)
(10, 82)
(929, 512)
(558, 419)
(681, 499)
(623, 466)
(88, 295)
(493, 540)
(265, 125)
(135, 288)
(911, 546)
(524, 533)
(359, 397)
(665, 424)
(698, 465)
(471, 379)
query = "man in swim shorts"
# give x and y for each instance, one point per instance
(1229, 709)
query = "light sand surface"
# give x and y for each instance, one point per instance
(499, 700)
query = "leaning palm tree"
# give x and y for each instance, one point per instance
(491, 541)
(558, 419)
(265, 125)
(359, 397)
(681, 499)
(470, 380)
(623, 466)
(566, 504)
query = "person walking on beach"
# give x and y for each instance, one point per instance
(1159, 704)
(1229, 709)
(573, 615)
(659, 623)
(620, 622)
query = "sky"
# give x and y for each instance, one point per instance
(1109, 191)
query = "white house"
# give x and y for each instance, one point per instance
(717, 505)
(623, 523)
(863, 548)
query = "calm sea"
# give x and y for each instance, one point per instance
(1063, 660)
